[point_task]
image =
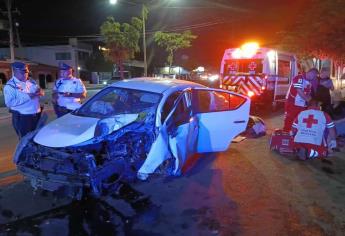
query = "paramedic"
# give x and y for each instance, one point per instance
(22, 98)
(67, 91)
(297, 96)
(314, 132)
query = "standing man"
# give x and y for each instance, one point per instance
(22, 98)
(67, 91)
(298, 95)
(323, 91)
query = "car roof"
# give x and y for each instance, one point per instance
(155, 84)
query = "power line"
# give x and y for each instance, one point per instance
(173, 29)
(190, 27)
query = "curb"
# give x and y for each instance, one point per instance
(4, 113)
(5, 117)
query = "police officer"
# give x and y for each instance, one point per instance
(22, 98)
(67, 91)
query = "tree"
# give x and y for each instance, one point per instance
(172, 42)
(97, 62)
(121, 40)
(319, 31)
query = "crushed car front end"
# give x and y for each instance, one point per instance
(96, 165)
(112, 149)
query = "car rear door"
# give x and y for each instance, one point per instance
(221, 116)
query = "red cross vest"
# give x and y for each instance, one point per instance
(311, 125)
(298, 82)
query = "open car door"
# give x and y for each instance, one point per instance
(221, 116)
(177, 136)
(182, 130)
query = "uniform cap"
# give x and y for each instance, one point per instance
(19, 65)
(64, 66)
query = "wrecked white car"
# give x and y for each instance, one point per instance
(130, 130)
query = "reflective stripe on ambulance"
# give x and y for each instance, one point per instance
(245, 84)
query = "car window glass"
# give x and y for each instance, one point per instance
(204, 101)
(212, 101)
(169, 104)
(236, 101)
(181, 109)
(114, 101)
(188, 96)
(220, 101)
(181, 114)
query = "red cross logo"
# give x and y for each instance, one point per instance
(252, 66)
(232, 66)
(310, 121)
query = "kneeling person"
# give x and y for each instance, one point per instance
(310, 129)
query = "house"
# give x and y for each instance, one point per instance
(74, 53)
(172, 72)
(44, 74)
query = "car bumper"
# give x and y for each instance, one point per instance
(51, 181)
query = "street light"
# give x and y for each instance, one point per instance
(143, 15)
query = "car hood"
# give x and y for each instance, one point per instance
(70, 130)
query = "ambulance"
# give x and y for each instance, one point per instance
(263, 74)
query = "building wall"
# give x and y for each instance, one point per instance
(43, 74)
(53, 55)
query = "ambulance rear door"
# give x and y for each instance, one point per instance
(285, 71)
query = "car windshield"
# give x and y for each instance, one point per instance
(114, 101)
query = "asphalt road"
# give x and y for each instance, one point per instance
(247, 190)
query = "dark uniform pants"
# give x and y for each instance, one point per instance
(291, 112)
(24, 124)
(311, 150)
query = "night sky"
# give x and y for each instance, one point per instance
(218, 24)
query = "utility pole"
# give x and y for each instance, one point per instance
(9, 14)
(17, 35)
(144, 17)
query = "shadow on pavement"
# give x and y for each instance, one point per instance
(89, 216)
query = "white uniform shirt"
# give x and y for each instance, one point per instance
(311, 125)
(292, 96)
(17, 97)
(72, 85)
